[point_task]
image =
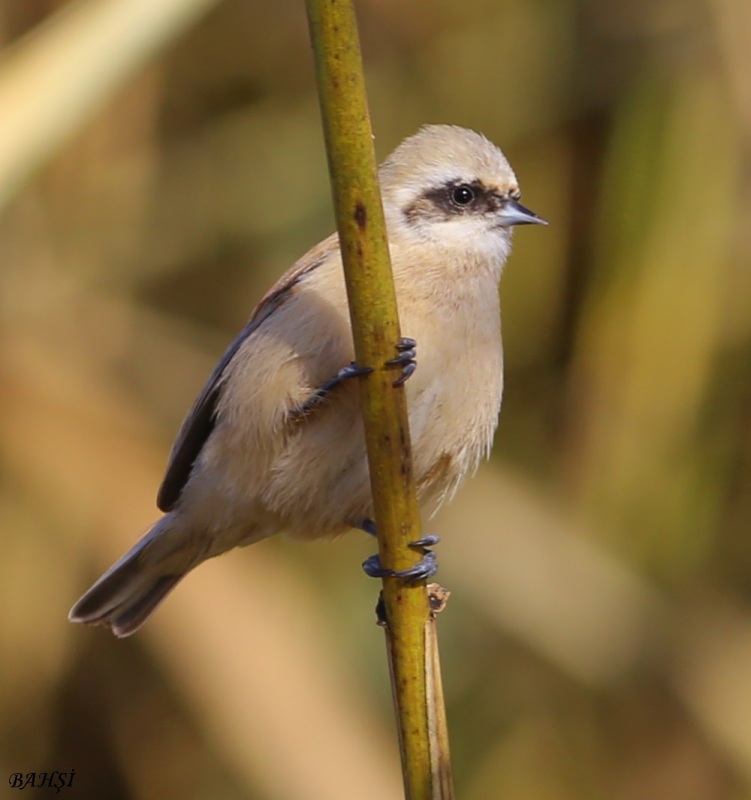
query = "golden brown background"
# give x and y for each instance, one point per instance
(161, 162)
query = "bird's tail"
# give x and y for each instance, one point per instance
(129, 592)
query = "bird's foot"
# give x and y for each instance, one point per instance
(407, 359)
(425, 568)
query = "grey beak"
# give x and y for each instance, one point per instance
(514, 213)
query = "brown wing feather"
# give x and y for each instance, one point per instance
(199, 422)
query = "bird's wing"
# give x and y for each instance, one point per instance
(199, 422)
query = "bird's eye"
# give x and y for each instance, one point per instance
(463, 195)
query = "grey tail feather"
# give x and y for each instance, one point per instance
(126, 595)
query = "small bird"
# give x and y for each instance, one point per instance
(274, 442)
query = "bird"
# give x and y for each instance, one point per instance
(274, 442)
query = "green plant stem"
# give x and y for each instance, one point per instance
(375, 328)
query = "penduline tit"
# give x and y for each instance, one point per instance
(275, 442)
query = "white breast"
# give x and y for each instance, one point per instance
(454, 396)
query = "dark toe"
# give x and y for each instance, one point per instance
(373, 569)
(407, 370)
(426, 541)
(425, 568)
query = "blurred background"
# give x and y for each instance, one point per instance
(161, 163)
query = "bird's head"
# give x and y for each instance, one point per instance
(453, 187)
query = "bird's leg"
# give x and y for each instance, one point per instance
(407, 359)
(406, 349)
(425, 568)
(352, 370)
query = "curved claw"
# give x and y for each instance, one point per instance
(407, 370)
(426, 541)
